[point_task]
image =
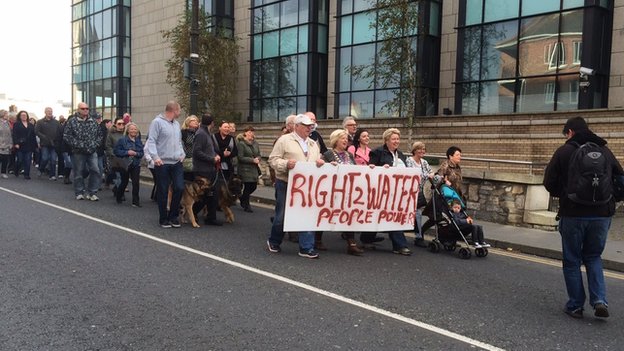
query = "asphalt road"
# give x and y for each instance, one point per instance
(80, 275)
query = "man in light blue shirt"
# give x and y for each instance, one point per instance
(165, 148)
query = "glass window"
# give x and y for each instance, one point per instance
(270, 44)
(270, 18)
(474, 9)
(538, 34)
(383, 98)
(567, 4)
(288, 41)
(126, 68)
(344, 75)
(344, 103)
(322, 39)
(497, 97)
(361, 5)
(303, 39)
(96, 25)
(472, 53)
(304, 12)
(346, 6)
(577, 51)
(500, 9)
(257, 47)
(362, 104)
(549, 92)
(106, 24)
(362, 31)
(534, 7)
(257, 20)
(346, 24)
(434, 22)
(289, 12)
(363, 59)
(470, 94)
(288, 76)
(302, 74)
(323, 12)
(499, 50)
(532, 95)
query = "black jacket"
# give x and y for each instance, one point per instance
(24, 137)
(204, 153)
(556, 178)
(382, 156)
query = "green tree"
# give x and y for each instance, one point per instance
(217, 67)
(398, 26)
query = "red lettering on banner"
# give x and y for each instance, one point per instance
(323, 194)
(297, 183)
(337, 190)
(347, 217)
(395, 217)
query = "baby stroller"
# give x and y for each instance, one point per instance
(448, 232)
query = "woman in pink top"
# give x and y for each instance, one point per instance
(360, 149)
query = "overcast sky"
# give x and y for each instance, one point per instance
(35, 61)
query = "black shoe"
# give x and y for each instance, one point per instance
(165, 224)
(420, 242)
(248, 209)
(136, 204)
(273, 247)
(214, 222)
(601, 310)
(576, 313)
(26, 177)
(377, 239)
(118, 199)
(175, 223)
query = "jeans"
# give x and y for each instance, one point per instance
(306, 239)
(132, 173)
(89, 163)
(24, 159)
(397, 237)
(48, 158)
(169, 174)
(418, 227)
(582, 241)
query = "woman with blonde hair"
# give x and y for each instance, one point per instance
(388, 155)
(130, 149)
(189, 127)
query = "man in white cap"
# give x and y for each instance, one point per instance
(288, 150)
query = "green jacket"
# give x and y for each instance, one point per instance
(247, 169)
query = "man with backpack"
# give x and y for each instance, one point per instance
(580, 174)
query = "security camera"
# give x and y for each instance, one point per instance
(587, 71)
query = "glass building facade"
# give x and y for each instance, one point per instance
(289, 43)
(220, 14)
(525, 56)
(358, 44)
(101, 55)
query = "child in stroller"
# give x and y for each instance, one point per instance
(466, 224)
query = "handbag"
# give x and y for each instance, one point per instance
(121, 162)
(422, 200)
(187, 164)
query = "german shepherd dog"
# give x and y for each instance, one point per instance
(228, 194)
(193, 192)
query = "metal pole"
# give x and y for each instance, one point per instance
(194, 84)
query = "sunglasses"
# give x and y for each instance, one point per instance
(84, 108)
(119, 124)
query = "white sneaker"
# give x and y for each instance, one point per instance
(4, 175)
(477, 245)
(484, 244)
(60, 176)
(52, 178)
(92, 197)
(80, 197)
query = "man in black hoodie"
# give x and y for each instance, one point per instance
(583, 228)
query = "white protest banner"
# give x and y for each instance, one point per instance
(350, 198)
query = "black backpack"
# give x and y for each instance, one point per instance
(590, 178)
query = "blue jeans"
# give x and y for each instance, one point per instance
(306, 239)
(88, 162)
(582, 241)
(24, 159)
(169, 174)
(48, 154)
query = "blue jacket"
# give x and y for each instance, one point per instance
(125, 144)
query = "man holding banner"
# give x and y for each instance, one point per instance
(288, 150)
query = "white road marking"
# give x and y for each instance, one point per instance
(280, 278)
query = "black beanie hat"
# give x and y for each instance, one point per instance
(577, 124)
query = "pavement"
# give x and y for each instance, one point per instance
(518, 239)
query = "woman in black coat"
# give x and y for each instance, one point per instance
(24, 142)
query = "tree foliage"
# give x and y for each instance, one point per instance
(217, 67)
(398, 26)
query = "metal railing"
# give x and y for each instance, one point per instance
(533, 167)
